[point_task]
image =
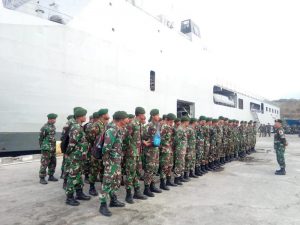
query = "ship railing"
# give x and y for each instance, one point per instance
(44, 12)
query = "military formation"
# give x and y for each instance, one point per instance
(128, 150)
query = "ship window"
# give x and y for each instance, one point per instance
(152, 80)
(254, 107)
(224, 97)
(241, 103)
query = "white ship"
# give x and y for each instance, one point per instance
(55, 55)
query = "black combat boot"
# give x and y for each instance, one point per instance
(147, 191)
(203, 169)
(163, 185)
(129, 198)
(81, 196)
(138, 194)
(52, 178)
(192, 174)
(207, 167)
(114, 202)
(169, 182)
(104, 209)
(65, 184)
(182, 179)
(71, 200)
(154, 189)
(217, 166)
(43, 181)
(186, 176)
(211, 166)
(198, 171)
(92, 190)
(222, 160)
(177, 181)
(280, 172)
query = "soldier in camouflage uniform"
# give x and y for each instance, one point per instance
(254, 135)
(97, 130)
(242, 138)
(151, 153)
(166, 155)
(226, 134)
(230, 140)
(213, 153)
(87, 129)
(180, 145)
(249, 137)
(76, 154)
(200, 167)
(236, 138)
(280, 144)
(206, 134)
(132, 148)
(219, 151)
(112, 157)
(190, 156)
(48, 149)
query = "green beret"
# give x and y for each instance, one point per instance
(202, 118)
(79, 111)
(221, 118)
(184, 119)
(130, 116)
(52, 116)
(164, 117)
(250, 122)
(120, 115)
(215, 120)
(177, 120)
(70, 117)
(279, 121)
(154, 112)
(208, 119)
(139, 110)
(171, 116)
(193, 120)
(225, 119)
(76, 108)
(95, 115)
(102, 112)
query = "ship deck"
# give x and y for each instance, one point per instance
(245, 192)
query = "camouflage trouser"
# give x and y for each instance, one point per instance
(212, 152)
(236, 148)
(199, 154)
(224, 149)
(190, 159)
(166, 162)
(179, 162)
(280, 155)
(87, 164)
(151, 164)
(111, 179)
(219, 151)
(131, 171)
(73, 166)
(48, 160)
(96, 168)
(206, 152)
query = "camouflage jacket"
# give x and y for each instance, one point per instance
(180, 140)
(132, 142)
(149, 132)
(77, 141)
(219, 135)
(112, 148)
(206, 135)
(166, 138)
(191, 138)
(47, 137)
(96, 129)
(279, 139)
(213, 135)
(199, 136)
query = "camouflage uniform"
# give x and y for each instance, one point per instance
(48, 150)
(213, 143)
(75, 154)
(190, 157)
(151, 154)
(279, 146)
(236, 139)
(87, 162)
(219, 142)
(112, 157)
(65, 128)
(225, 140)
(206, 134)
(199, 145)
(166, 155)
(132, 146)
(180, 144)
(96, 168)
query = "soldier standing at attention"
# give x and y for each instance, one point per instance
(151, 153)
(48, 149)
(180, 145)
(112, 157)
(132, 148)
(75, 156)
(166, 158)
(279, 145)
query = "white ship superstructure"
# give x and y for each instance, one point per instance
(56, 55)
